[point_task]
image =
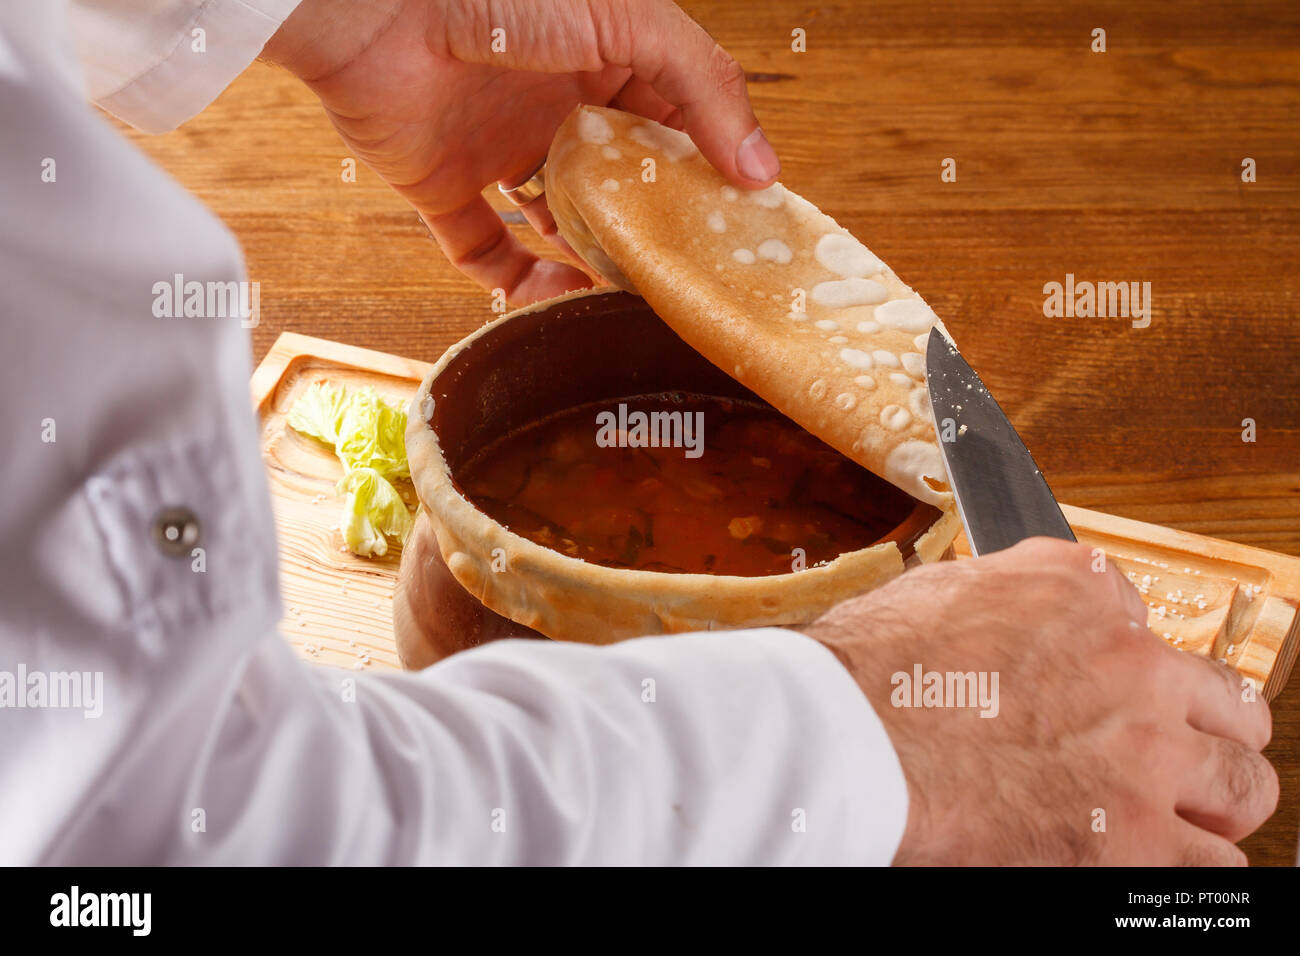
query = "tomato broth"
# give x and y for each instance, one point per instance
(691, 484)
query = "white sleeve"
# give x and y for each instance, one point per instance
(755, 748)
(149, 711)
(156, 63)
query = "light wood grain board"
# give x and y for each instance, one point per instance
(338, 607)
(1218, 598)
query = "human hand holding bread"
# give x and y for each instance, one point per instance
(440, 105)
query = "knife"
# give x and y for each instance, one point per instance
(1001, 495)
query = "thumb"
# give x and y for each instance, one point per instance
(683, 64)
(663, 48)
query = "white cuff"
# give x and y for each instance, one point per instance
(852, 738)
(147, 62)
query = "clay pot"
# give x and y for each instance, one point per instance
(465, 579)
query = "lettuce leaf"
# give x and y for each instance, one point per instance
(318, 412)
(372, 434)
(368, 436)
(371, 510)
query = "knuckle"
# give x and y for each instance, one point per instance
(1238, 780)
(1126, 594)
(1161, 660)
(1143, 653)
(1226, 676)
(1122, 645)
(1261, 730)
(1054, 589)
(1249, 780)
(1074, 582)
(1203, 671)
(727, 74)
(1247, 784)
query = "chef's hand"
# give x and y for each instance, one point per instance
(1098, 720)
(416, 90)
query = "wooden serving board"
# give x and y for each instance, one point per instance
(338, 607)
(1207, 596)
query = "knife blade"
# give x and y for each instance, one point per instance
(1001, 495)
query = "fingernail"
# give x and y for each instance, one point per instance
(756, 159)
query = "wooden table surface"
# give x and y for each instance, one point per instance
(1123, 166)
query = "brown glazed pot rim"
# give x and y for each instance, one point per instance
(567, 598)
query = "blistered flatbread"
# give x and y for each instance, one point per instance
(763, 284)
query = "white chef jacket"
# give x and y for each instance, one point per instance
(215, 744)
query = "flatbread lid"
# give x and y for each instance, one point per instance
(762, 284)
